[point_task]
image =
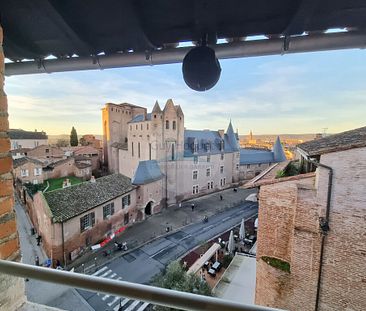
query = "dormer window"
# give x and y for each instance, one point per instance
(208, 147)
(222, 145)
(195, 147)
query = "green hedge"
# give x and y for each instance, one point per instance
(277, 263)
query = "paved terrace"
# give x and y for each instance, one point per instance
(155, 225)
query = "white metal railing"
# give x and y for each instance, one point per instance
(151, 294)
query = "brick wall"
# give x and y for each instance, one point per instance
(11, 288)
(288, 230)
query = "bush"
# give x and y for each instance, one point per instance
(226, 260)
(174, 277)
(277, 263)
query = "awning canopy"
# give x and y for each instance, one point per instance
(205, 257)
(94, 33)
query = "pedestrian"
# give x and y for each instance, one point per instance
(39, 239)
(192, 206)
(37, 261)
(180, 204)
(221, 197)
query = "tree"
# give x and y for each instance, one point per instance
(175, 277)
(73, 138)
(62, 143)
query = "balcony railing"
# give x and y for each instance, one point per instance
(155, 295)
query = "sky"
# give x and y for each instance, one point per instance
(292, 94)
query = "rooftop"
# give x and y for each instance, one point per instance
(21, 134)
(72, 201)
(338, 142)
(21, 161)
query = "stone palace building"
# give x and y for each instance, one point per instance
(171, 163)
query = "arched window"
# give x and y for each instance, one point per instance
(167, 124)
(174, 125)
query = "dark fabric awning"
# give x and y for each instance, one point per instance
(35, 29)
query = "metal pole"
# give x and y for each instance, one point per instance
(299, 44)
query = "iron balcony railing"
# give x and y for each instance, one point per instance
(151, 294)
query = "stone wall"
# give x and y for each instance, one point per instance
(11, 288)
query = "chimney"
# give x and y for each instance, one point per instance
(221, 133)
(92, 179)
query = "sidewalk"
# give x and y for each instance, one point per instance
(155, 225)
(43, 293)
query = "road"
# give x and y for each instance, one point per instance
(140, 265)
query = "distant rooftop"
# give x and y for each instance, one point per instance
(21, 134)
(72, 201)
(343, 141)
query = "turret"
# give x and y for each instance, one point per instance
(231, 136)
(278, 152)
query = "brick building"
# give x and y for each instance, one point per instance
(314, 224)
(73, 218)
(28, 170)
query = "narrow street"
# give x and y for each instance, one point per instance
(55, 295)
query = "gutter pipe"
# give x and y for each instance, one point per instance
(324, 224)
(265, 47)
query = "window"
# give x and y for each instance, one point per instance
(195, 175)
(126, 201)
(47, 150)
(237, 167)
(147, 126)
(248, 165)
(87, 221)
(149, 151)
(174, 125)
(126, 219)
(35, 182)
(195, 189)
(195, 159)
(222, 145)
(222, 156)
(141, 126)
(154, 116)
(208, 172)
(173, 155)
(132, 149)
(224, 181)
(130, 127)
(138, 150)
(208, 147)
(24, 173)
(167, 124)
(221, 182)
(221, 169)
(37, 171)
(195, 147)
(208, 158)
(210, 185)
(108, 210)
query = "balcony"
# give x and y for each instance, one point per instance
(154, 295)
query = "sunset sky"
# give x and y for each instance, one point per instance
(299, 93)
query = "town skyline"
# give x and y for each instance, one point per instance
(296, 94)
